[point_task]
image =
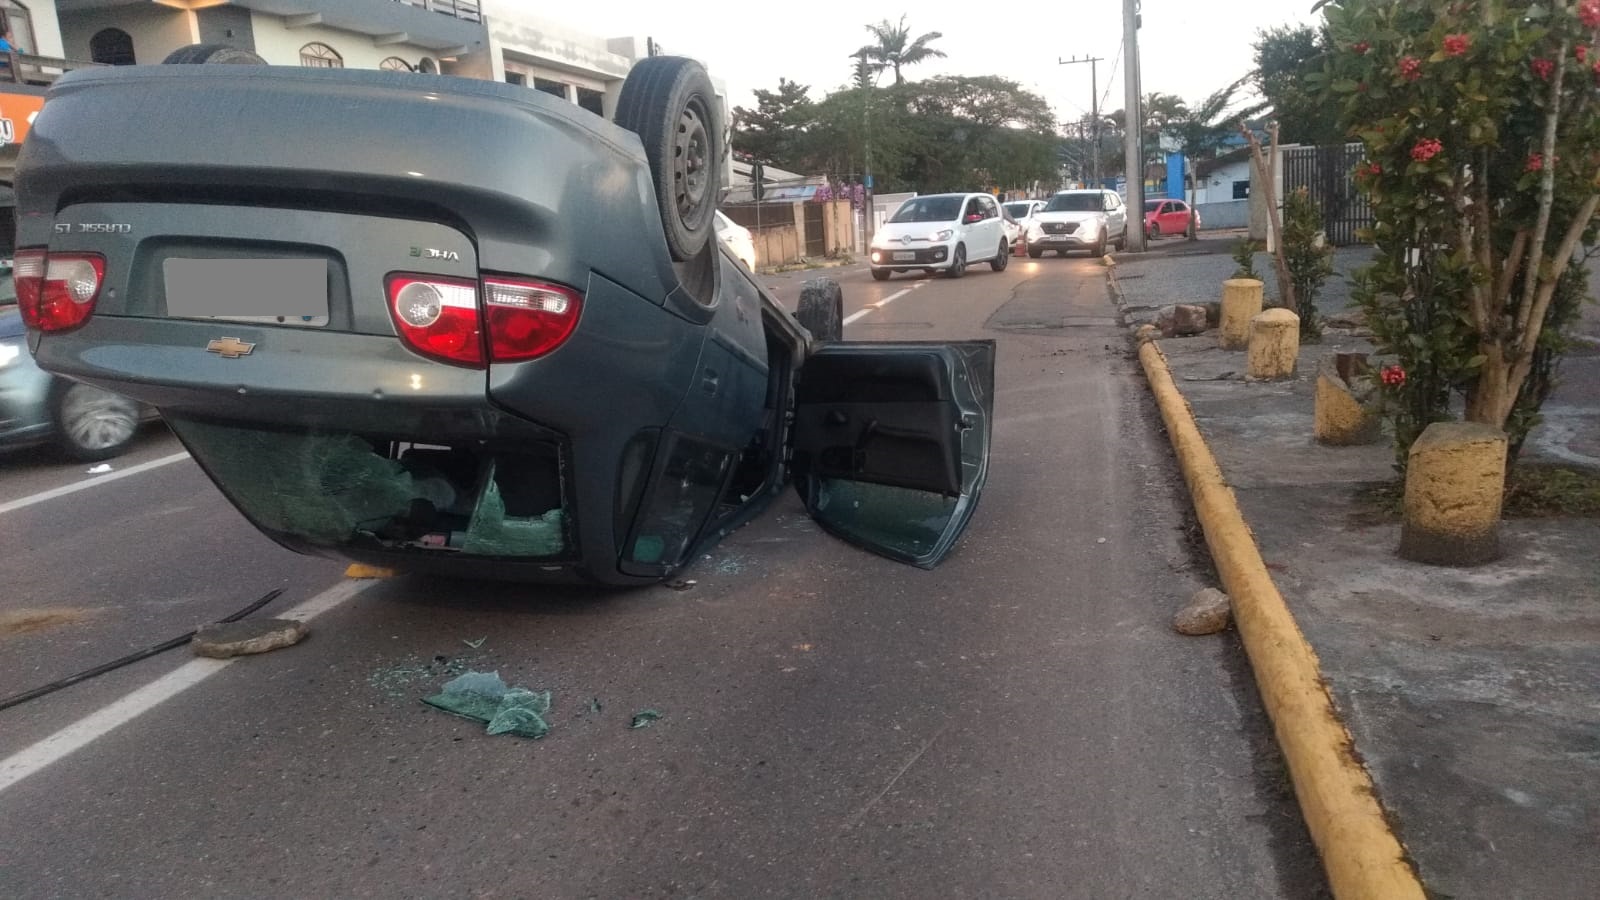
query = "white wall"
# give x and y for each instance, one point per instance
(46, 27)
(280, 46)
(1217, 186)
(156, 30)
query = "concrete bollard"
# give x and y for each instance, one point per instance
(1241, 301)
(1342, 419)
(1455, 483)
(1274, 344)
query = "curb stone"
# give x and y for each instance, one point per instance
(1360, 852)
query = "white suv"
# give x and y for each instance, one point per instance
(941, 233)
(1079, 220)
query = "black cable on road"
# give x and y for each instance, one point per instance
(164, 646)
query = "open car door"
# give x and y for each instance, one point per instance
(891, 442)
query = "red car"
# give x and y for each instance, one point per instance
(1167, 217)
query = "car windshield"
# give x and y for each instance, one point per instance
(928, 209)
(1017, 210)
(1152, 205)
(1074, 203)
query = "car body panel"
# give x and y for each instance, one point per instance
(661, 422)
(739, 240)
(886, 429)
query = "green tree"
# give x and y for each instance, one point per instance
(777, 130)
(1483, 171)
(1200, 130)
(894, 47)
(1284, 57)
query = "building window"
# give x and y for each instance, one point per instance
(550, 87)
(111, 47)
(1241, 190)
(516, 78)
(593, 101)
(395, 64)
(320, 56)
(15, 18)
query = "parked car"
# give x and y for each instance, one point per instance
(441, 358)
(1167, 217)
(941, 233)
(85, 422)
(740, 242)
(1079, 220)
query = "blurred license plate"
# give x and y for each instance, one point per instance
(269, 291)
(1058, 237)
(905, 254)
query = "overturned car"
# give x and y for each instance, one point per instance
(446, 325)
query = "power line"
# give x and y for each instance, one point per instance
(1114, 63)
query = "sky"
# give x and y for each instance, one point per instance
(1188, 47)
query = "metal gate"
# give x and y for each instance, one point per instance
(816, 239)
(1328, 173)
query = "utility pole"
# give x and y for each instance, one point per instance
(1133, 133)
(866, 150)
(1094, 103)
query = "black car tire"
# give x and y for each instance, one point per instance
(958, 263)
(1035, 252)
(92, 424)
(1002, 258)
(822, 309)
(881, 274)
(1122, 240)
(1099, 248)
(210, 54)
(1155, 231)
(669, 103)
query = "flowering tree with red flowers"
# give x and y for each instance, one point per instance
(1481, 123)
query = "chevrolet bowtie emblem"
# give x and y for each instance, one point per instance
(230, 347)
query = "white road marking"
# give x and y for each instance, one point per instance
(84, 485)
(881, 303)
(98, 724)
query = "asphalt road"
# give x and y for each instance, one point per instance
(1020, 722)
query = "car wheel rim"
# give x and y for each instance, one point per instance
(691, 152)
(97, 420)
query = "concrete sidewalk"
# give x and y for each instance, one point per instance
(1472, 695)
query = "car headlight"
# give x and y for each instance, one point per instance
(9, 353)
(1090, 226)
(1035, 232)
(943, 235)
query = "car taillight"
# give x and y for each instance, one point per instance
(438, 317)
(528, 318)
(57, 291)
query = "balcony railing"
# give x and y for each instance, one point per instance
(466, 10)
(25, 68)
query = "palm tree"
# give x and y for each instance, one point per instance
(1201, 130)
(894, 47)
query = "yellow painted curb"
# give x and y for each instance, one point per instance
(1360, 853)
(358, 570)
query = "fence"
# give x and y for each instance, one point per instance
(1328, 174)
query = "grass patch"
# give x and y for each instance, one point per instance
(1534, 491)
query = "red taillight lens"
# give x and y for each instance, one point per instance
(57, 291)
(528, 318)
(438, 317)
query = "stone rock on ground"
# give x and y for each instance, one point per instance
(224, 639)
(1208, 612)
(1182, 320)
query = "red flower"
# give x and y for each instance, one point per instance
(1535, 162)
(1410, 68)
(1589, 13)
(1369, 170)
(1361, 47)
(1456, 44)
(1394, 376)
(1542, 67)
(1426, 149)
(1582, 53)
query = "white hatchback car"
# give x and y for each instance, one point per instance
(1079, 220)
(1023, 213)
(941, 233)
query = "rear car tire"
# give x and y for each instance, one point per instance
(822, 309)
(1034, 253)
(881, 274)
(669, 103)
(92, 424)
(1155, 231)
(1002, 258)
(1122, 240)
(208, 54)
(958, 263)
